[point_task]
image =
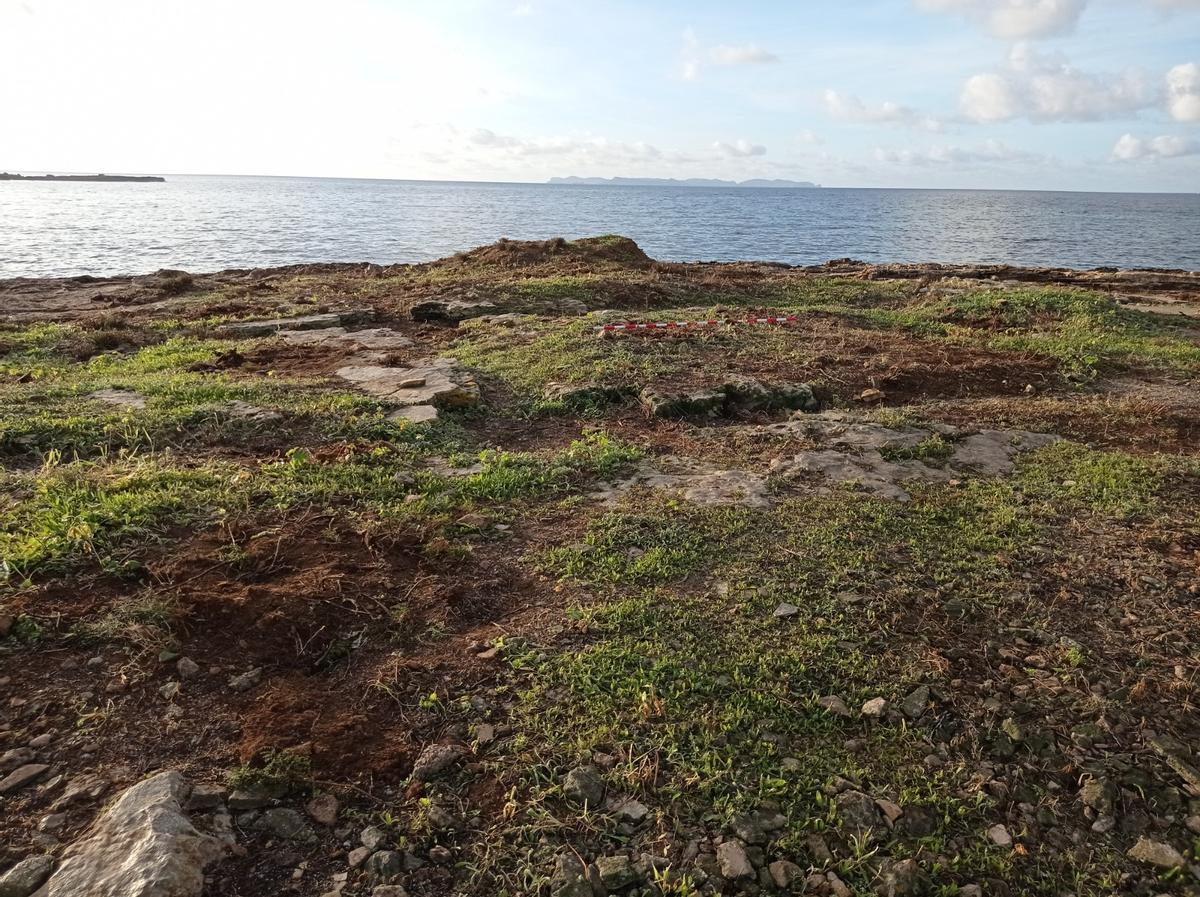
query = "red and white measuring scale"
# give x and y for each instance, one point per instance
(690, 325)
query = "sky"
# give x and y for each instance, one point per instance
(1012, 94)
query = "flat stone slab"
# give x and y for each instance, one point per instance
(437, 381)
(450, 311)
(415, 414)
(120, 398)
(247, 329)
(377, 339)
(143, 845)
(694, 481)
(245, 411)
(848, 452)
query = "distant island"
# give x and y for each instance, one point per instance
(104, 178)
(689, 182)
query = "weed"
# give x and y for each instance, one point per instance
(279, 772)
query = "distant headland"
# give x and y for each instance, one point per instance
(688, 182)
(103, 178)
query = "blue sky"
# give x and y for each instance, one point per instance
(1044, 94)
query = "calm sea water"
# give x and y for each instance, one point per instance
(209, 223)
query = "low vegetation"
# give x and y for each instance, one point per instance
(558, 635)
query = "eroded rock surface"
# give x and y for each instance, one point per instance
(695, 481)
(141, 846)
(437, 381)
(247, 329)
(854, 452)
(120, 398)
(739, 393)
(849, 451)
(376, 339)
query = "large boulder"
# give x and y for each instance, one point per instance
(143, 845)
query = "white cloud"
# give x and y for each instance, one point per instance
(1014, 19)
(1032, 19)
(1130, 148)
(740, 54)
(585, 150)
(739, 149)
(1046, 88)
(810, 137)
(695, 57)
(1183, 92)
(523, 9)
(988, 152)
(849, 107)
(598, 148)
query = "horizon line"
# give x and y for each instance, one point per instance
(548, 182)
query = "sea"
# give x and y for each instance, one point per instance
(209, 223)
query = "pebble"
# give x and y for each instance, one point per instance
(206, 797)
(323, 809)
(1103, 825)
(247, 680)
(857, 811)
(783, 873)
(834, 704)
(248, 799)
(786, 610)
(52, 823)
(170, 690)
(999, 836)
(373, 837)
(22, 776)
(615, 872)
(915, 702)
(187, 668)
(890, 809)
(631, 811)
(358, 856)
(1156, 853)
(584, 786)
(440, 855)
(11, 759)
(435, 760)
(41, 741)
(733, 862)
(875, 708)
(485, 734)
(838, 887)
(385, 866)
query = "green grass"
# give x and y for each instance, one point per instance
(53, 520)
(1071, 476)
(183, 407)
(380, 479)
(934, 451)
(1086, 333)
(567, 353)
(682, 668)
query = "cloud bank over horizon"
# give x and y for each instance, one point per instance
(1040, 94)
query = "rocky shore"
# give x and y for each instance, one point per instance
(439, 579)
